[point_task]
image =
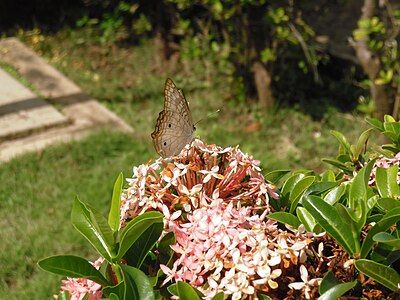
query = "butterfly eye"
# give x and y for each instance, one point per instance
(165, 143)
(169, 125)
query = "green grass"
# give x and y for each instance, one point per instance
(37, 190)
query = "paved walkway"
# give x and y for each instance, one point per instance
(27, 121)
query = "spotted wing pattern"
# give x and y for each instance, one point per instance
(174, 128)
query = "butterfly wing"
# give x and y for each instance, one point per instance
(174, 100)
(174, 128)
(171, 134)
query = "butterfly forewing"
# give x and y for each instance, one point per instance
(174, 128)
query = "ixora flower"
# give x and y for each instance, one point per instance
(79, 287)
(385, 163)
(216, 202)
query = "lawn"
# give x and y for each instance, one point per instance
(37, 189)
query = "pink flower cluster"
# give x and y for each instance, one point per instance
(79, 287)
(385, 163)
(216, 201)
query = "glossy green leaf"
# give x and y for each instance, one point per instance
(335, 194)
(137, 284)
(392, 217)
(94, 227)
(290, 183)
(361, 143)
(386, 181)
(385, 275)
(376, 123)
(388, 239)
(393, 127)
(134, 230)
(113, 296)
(113, 217)
(328, 176)
(141, 247)
(388, 119)
(306, 218)
(358, 193)
(338, 164)
(388, 203)
(298, 190)
(184, 290)
(119, 289)
(275, 176)
(187, 292)
(342, 140)
(390, 135)
(219, 296)
(327, 282)
(337, 291)
(328, 216)
(286, 218)
(72, 266)
(318, 188)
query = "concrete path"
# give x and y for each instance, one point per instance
(28, 122)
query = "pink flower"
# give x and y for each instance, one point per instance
(216, 201)
(79, 287)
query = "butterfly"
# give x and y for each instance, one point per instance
(174, 128)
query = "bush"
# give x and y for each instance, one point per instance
(208, 224)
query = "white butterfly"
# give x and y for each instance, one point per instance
(174, 128)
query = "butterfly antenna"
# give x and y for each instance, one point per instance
(210, 115)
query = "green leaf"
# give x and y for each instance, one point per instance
(361, 143)
(337, 291)
(306, 218)
(113, 217)
(143, 245)
(388, 239)
(358, 193)
(72, 266)
(119, 289)
(318, 188)
(113, 296)
(286, 218)
(335, 194)
(184, 291)
(327, 282)
(384, 224)
(298, 190)
(328, 176)
(137, 284)
(376, 123)
(290, 183)
(93, 226)
(386, 181)
(342, 140)
(275, 176)
(388, 119)
(388, 203)
(134, 230)
(264, 297)
(380, 273)
(338, 164)
(341, 229)
(187, 292)
(219, 296)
